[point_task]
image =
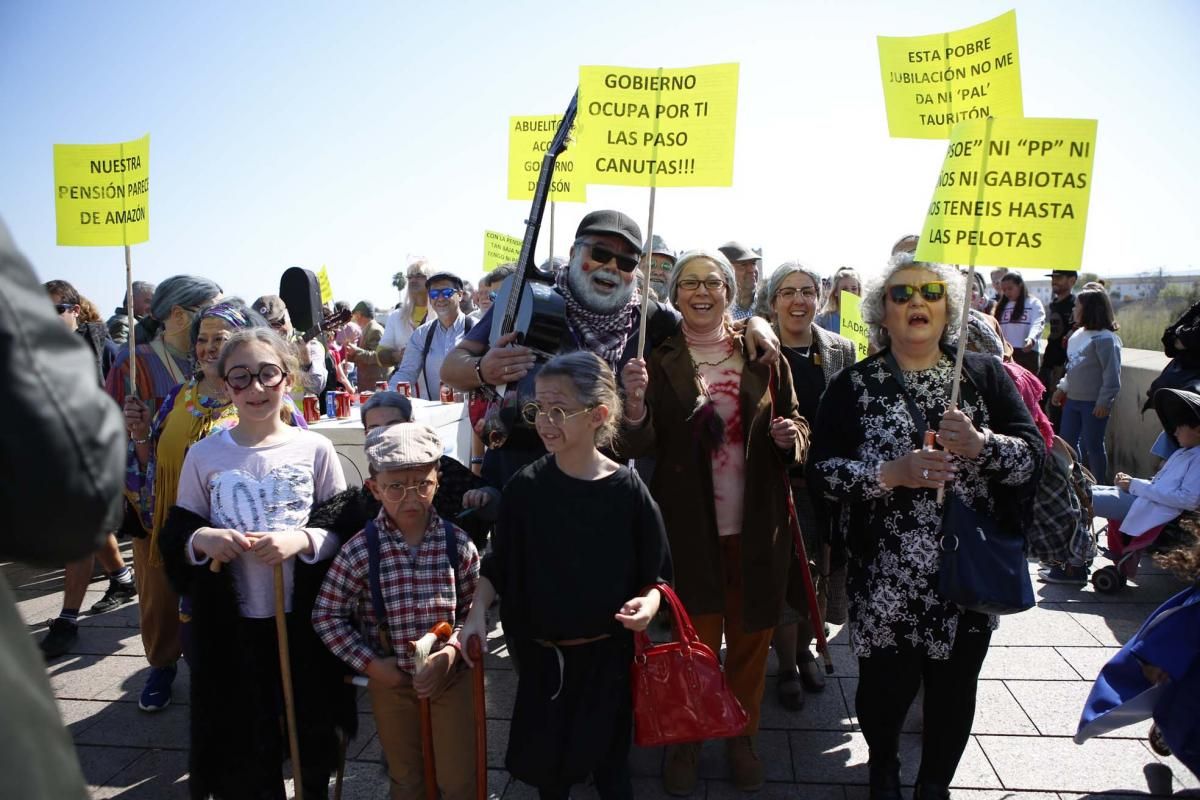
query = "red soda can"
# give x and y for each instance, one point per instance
(403, 388)
(312, 410)
(343, 405)
(447, 394)
(381, 386)
(363, 397)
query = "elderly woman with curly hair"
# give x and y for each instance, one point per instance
(867, 454)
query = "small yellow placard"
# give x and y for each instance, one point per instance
(1012, 193)
(932, 82)
(499, 248)
(326, 289)
(658, 127)
(853, 328)
(528, 140)
(102, 193)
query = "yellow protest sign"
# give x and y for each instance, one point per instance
(852, 326)
(499, 248)
(1012, 193)
(658, 127)
(932, 82)
(102, 193)
(326, 289)
(528, 140)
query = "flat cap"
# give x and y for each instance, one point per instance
(401, 446)
(736, 251)
(614, 223)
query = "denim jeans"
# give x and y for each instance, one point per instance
(1085, 433)
(1109, 502)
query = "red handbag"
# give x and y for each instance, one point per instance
(679, 689)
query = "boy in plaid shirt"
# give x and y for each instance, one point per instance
(422, 582)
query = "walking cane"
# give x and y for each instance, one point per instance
(421, 650)
(475, 652)
(285, 672)
(341, 770)
(810, 592)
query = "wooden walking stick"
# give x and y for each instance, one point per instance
(421, 651)
(285, 672)
(810, 592)
(475, 653)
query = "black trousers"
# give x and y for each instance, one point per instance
(888, 683)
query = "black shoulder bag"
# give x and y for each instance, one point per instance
(983, 567)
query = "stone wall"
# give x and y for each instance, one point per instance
(1130, 433)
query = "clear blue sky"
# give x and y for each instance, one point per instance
(355, 134)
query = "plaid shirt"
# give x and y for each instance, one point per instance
(418, 592)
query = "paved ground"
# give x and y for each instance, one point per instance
(1035, 679)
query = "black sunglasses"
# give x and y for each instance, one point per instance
(602, 255)
(63, 308)
(903, 292)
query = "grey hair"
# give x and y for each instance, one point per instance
(765, 303)
(267, 336)
(594, 384)
(388, 399)
(834, 299)
(718, 258)
(874, 309)
(187, 291)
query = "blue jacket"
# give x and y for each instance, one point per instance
(1170, 640)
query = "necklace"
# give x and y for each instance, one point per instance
(803, 352)
(728, 356)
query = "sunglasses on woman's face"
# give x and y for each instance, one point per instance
(602, 255)
(903, 292)
(63, 308)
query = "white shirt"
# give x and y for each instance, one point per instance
(271, 488)
(1175, 489)
(1027, 327)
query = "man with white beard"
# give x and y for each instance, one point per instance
(604, 306)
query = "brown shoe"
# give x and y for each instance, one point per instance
(680, 772)
(744, 763)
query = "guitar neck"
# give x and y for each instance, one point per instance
(526, 265)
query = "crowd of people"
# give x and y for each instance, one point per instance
(612, 467)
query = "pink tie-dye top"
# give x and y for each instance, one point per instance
(719, 370)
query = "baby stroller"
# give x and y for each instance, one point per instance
(1173, 407)
(1126, 551)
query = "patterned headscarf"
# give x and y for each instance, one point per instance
(228, 312)
(603, 334)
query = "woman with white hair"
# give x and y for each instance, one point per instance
(789, 299)
(704, 410)
(867, 453)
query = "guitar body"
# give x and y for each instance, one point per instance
(541, 315)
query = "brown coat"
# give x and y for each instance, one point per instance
(370, 370)
(682, 484)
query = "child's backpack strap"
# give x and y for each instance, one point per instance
(381, 619)
(451, 545)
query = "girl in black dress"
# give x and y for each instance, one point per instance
(577, 550)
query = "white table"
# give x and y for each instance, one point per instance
(448, 419)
